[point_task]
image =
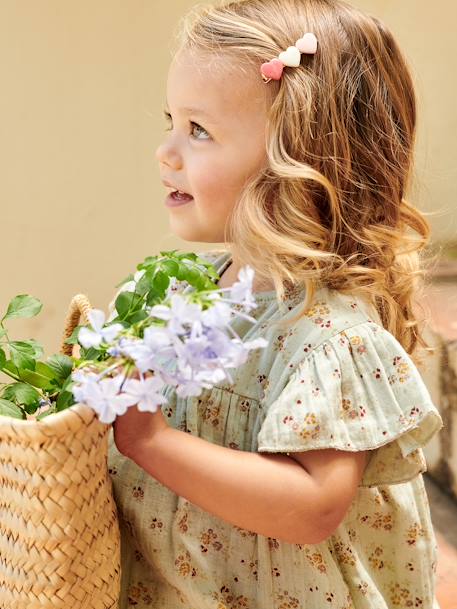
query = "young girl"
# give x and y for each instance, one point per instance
(299, 486)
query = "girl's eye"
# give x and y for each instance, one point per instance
(193, 124)
(197, 126)
(167, 118)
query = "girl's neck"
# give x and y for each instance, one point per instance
(230, 276)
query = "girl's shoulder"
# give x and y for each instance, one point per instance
(340, 310)
(330, 314)
(340, 380)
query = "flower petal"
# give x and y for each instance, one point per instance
(88, 338)
(97, 319)
(110, 332)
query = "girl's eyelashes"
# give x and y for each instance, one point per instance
(193, 124)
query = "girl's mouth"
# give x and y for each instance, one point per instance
(178, 198)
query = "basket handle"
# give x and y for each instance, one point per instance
(78, 310)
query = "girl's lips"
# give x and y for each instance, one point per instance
(175, 200)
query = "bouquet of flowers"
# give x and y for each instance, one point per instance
(169, 324)
(185, 341)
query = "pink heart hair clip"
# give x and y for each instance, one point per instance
(272, 70)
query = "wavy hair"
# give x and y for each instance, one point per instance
(329, 208)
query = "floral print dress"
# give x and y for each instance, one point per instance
(335, 379)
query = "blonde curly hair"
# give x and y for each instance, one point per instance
(329, 208)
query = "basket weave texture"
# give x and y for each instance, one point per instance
(59, 530)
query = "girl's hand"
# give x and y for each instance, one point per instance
(133, 428)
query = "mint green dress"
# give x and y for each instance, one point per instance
(335, 379)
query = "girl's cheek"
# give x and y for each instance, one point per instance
(209, 180)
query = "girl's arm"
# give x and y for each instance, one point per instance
(297, 499)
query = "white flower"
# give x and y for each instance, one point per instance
(83, 376)
(194, 350)
(145, 352)
(93, 338)
(241, 291)
(145, 392)
(103, 396)
(180, 312)
(219, 315)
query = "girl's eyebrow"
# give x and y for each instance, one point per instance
(196, 112)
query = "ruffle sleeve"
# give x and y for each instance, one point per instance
(358, 390)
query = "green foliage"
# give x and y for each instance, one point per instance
(24, 395)
(22, 354)
(152, 287)
(73, 339)
(23, 306)
(37, 383)
(60, 365)
(9, 409)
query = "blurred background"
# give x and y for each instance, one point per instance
(83, 90)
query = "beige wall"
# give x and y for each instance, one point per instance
(83, 84)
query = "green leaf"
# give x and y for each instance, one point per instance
(62, 365)
(171, 267)
(23, 306)
(127, 303)
(123, 302)
(65, 400)
(36, 346)
(2, 358)
(148, 261)
(126, 280)
(68, 384)
(9, 409)
(36, 378)
(23, 354)
(193, 275)
(73, 339)
(10, 367)
(153, 298)
(138, 316)
(182, 272)
(2, 332)
(45, 370)
(145, 283)
(32, 408)
(43, 377)
(161, 281)
(21, 393)
(91, 354)
(188, 255)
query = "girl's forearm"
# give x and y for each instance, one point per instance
(269, 494)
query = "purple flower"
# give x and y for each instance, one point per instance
(145, 392)
(180, 312)
(102, 395)
(93, 338)
(195, 349)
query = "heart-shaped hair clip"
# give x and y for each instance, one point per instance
(272, 70)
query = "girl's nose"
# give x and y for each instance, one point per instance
(167, 155)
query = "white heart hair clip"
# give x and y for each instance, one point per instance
(272, 70)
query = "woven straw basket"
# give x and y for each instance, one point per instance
(59, 531)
